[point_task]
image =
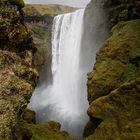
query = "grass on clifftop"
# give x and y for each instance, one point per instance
(38, 9)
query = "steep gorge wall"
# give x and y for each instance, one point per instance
(113, 85)
(17, 74)
(41, 28)
(18, 78)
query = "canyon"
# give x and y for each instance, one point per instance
(108, 51)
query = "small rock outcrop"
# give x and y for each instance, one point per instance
(44, 131)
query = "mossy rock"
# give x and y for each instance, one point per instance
(123, 10)
(119, 112)
(17, 81)
(29, 116)
(18, 77)
(113, 86)
(45, 131)
(14, 96)
(19, 3)
(117, 61)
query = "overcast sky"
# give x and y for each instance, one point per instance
(78, 3)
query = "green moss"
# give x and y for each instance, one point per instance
(49, 130)
(4, 24)
(38, 9)
(17, 75)
(136, 51)
(42, 33)
(113, 91)
(119, 112)
(42, 38)
(29, 116)
(124, 15)
(121, 51)
(124, 10)
(20, 3)
(132, 72)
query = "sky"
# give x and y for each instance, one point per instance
(76, 3)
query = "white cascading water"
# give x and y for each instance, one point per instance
(64, 101)
(73, 54)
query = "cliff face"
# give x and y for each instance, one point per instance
(18, 79)
(17, 74)
(113, 85)
(39, 19)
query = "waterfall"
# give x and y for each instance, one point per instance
(64, 101)
(75, 39)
